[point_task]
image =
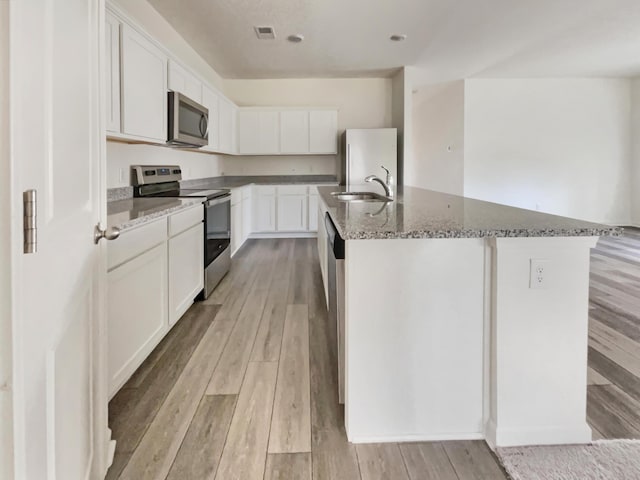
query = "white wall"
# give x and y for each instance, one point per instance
(361, 103)
(401, 108)
(6, 430)
(120, 156)
(560, 145)
(438, 138)
(635, 152)
(155, 25)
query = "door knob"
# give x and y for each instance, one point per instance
(110, 233)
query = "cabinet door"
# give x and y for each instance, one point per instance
(292, 213)
(210, 100)
(144, 87)
(265, 211)
(236, 227)
(137, 312)
(112, 72)
(248, 136)
(313, 212)
(269, 132)
(186, 270)
(294, 131)
(227, 125)
(246, 218)
(323, 131)
(180, 80)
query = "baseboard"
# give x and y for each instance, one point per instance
(515, 437)
(430, 437)
(284, 235)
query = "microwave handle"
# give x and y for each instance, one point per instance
(203, 130)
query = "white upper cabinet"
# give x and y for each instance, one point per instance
(227, 127)
(112, 73)
(180, 80)
(287, 131)
(258, 132)
(294, 131)
(210, 100)
(323, 131)
(144, 87)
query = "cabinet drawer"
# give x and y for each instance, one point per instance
(181, 221)
(293, 190)
(133, 242)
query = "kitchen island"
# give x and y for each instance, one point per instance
(464, 319)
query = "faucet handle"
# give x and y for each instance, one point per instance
(389, 176)
(385, 169)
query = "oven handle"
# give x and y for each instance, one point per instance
(218, 201)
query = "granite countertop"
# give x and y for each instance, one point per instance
(233, 181)
(419, 213)
(128, 213)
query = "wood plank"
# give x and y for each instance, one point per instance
(427, 461)
(603, 412)
(244, 454)
(291, 422)
(381, 461)
(288, 466)
(473, 460)
(615, 353)
(594, 378)
(228, 374)
(622, 342)
(620, 377)
(201, 449)
(157, 449)
(268, 340)
(334, 458)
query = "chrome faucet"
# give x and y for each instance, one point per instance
(388, 185)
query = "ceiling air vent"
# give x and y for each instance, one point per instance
(265, 33)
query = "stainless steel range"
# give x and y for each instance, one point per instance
(164, 181)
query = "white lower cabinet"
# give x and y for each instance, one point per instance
(236, 227)
(137, 312)
(186, 275)
(265, 209)
(155, 272)
(247, 216)
(292, 213)
(313, 211)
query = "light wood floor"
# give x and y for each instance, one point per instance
(244, 386)
(613, 401)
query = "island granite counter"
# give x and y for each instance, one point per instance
(463, 319)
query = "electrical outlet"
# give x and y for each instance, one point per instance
(538, 273)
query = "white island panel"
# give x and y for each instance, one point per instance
(539, 342)
(414, 339)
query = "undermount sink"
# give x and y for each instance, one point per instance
(360, 197)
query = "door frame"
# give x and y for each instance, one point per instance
(10, 259)
(6, 360)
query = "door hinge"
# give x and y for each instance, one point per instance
(30, 220)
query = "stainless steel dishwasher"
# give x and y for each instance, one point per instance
(335, 274)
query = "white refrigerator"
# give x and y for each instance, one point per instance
(364, 151)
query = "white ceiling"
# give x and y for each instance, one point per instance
(447, 39)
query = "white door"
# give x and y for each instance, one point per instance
(57, 142)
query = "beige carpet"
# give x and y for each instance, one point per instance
(601, 460)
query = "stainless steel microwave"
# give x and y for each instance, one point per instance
(188, 122)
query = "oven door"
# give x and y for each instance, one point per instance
(217, 227)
